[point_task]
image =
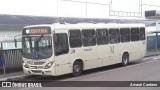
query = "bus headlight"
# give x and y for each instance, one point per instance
(48, 65)
(25, 65)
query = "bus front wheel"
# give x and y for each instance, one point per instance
(125, 59)
(77, 68)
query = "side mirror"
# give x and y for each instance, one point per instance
(15, 41)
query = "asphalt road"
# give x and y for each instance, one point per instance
(147, 69)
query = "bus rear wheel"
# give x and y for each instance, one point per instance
(125, 59)
(77, 68)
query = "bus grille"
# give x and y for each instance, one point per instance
(36, 71)
(38, 63)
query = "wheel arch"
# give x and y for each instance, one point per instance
(77, 67)
(79, 60)
(125, 53)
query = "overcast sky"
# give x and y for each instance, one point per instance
(49, 7)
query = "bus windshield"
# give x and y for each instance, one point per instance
(37, 47)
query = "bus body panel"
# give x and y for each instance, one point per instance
(135, 52)
(90, 57)
(143, 48)
(126, 47)
(103, 55)
(115, 56)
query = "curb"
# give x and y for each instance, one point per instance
(153, 55)
(3, 79)
(12, 77)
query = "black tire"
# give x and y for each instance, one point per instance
(125, 59)
(77, 68)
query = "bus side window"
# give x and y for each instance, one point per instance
(114, 36)
(134, 34)
(102, 36)
(142, 33)
(75, 38)
(125, 34)
(61, 43)
(89, 37)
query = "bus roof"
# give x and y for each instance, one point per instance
(58, 26)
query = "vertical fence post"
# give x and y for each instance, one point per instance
(2, 57)
(156, 41)
(4, 63)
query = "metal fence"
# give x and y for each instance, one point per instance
(10, 56)
(10, 59)
(153, 42)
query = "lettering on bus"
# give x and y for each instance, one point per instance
(112, 49)
(88, 49)
(37, 31)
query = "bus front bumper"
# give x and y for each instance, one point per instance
(49, 72)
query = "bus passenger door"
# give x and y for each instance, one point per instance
(89, 48)
(62, 56)
(89, 56)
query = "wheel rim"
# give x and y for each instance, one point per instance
(125, 60)
(76, 68)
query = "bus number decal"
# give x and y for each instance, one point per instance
(89, 49)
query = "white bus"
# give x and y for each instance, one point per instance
(59, 49)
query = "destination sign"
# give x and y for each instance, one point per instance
(37, 31)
